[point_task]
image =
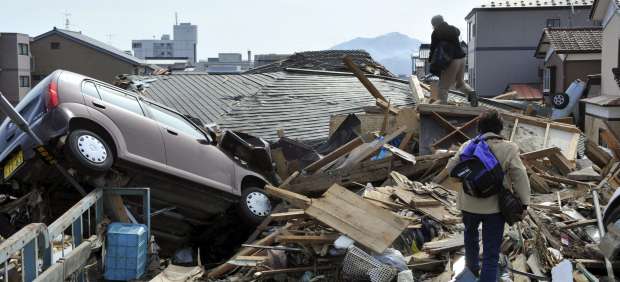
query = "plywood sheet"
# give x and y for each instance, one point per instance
(350, 214)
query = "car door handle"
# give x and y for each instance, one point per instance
(98, 105)
(172, 132)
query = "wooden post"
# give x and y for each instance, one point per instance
(363, 79)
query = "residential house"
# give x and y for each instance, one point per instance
(15, 63)
(182, 46)
(76, 52)
(568, 54)
(421, 66)
(502, 35)
(603, 112)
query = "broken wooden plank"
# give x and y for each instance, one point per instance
(386, 106)
(348, 61)
(307, 239)
(439, 246)
(285, 216)
(562, 180)
(580, 223)
(416, 89)
(343, 150)
(414, 200)
(295, 199)
(365, 151)
(368, 171)
(348, 213)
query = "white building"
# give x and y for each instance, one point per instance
(181, 46)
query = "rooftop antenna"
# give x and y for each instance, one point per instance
(176, 18)
(109, 36)
(67, 15)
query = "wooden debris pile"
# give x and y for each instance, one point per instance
(375, 202)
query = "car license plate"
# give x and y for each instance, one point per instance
(13, 164)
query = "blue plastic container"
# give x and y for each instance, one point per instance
(126, 251)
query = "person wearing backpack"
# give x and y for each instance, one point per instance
(447, 60)
(496, 191)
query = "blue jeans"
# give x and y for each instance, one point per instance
(492, 235)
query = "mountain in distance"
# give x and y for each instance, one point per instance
(393, 50)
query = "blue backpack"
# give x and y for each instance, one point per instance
(479, 169)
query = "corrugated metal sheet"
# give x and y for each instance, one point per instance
(204, 96)
(302, 104)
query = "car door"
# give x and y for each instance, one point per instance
(187, 149)
(142, 136)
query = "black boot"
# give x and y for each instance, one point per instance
(472, 97)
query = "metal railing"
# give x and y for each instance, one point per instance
(35, 240)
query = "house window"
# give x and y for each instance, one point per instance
(55, 45)
(24, 81)
(553, 22)
(136, 45)
(23, 49)
(473, 30)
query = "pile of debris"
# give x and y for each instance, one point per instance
(397, 216)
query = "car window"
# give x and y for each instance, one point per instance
(89, 89)
(120, 99)
(175, 121)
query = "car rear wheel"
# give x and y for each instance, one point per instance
(89, 151)
(255, 205)
(560, 100)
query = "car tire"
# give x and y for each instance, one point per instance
(254, 205)
(89, 151)
(560, 100)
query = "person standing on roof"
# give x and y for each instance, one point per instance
(477, 210)
(447, 60)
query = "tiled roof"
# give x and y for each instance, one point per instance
(570, 40)
(299, 101)
(326, 60)
(202, 95)
(93, 43)
(575, 40)
(534, 3)
(302, 103)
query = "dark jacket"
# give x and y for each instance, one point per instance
(450, 35)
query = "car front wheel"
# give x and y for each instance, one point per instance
(89, 151)
(255, 205)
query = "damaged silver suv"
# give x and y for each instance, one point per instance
(96, 127)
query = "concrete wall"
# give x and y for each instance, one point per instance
(503, 43)
(77, 58)
(13, 65)
(611, 36)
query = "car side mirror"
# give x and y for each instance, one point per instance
(203, 141)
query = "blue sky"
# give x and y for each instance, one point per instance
(265, 26)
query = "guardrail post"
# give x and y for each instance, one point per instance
(29, 261)
(47, 253)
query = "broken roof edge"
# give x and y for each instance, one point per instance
(341, 73)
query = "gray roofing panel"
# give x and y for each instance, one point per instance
(94, 43)
(302, 104)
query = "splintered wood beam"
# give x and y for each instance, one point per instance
(295, 199)
(386, 106)
(343, 150)
(348, 61)
(307, 239)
